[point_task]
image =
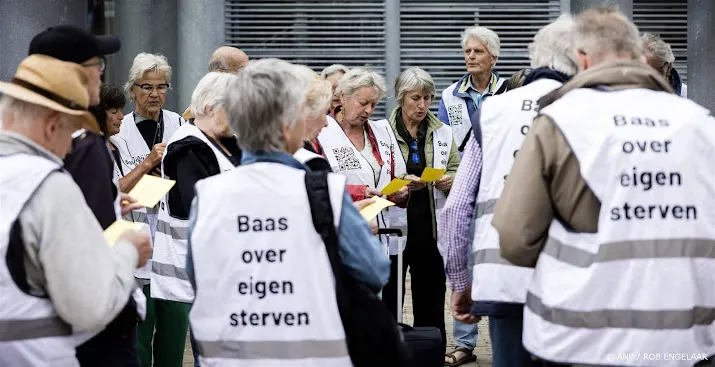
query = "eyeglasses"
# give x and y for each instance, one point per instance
(414, 155)
(101, 64)
(148, 88)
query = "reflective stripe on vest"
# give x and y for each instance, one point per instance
(505, 119)
(644, 281)
(441, 146)
(169, 279)
(31, 332)
(237, 321)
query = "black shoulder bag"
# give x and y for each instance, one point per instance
(372, 334)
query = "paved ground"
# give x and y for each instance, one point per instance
(483, 351)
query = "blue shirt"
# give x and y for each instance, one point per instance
(359, 250)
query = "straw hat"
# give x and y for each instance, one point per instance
(55, 84)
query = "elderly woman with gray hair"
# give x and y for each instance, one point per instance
(261, 268)
(659, 56)
(141, 142)
(424, 142)
(364, 151)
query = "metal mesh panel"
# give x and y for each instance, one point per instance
(430, 34)
(669, 20)
(314, 33)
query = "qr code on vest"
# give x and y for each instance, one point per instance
(454, 114)
(346, 159)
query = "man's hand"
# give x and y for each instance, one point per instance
(416, 183)
(444, 183)
(461, 303)
(142, 242)
(128, 203)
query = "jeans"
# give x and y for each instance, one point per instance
(507, 348)
(465, 335)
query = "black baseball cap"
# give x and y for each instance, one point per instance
(73, 44)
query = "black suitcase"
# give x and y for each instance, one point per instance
(424, 343)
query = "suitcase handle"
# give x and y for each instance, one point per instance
(390, 231)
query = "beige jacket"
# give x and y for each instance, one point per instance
(545, 181)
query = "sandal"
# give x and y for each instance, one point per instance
(468, 357)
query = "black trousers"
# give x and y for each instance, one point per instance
(428, 283)
(116, 345)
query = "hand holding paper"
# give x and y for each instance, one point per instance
(114, 231)
(394, 186)
(149, 190)
(375, 208)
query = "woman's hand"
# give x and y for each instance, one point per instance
(444, 183)
(157, 152)
(416, 183)
(127, 203)
(370, 192)
(360, 205)
(399, 196)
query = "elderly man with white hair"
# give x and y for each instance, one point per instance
(609, 199)
(660, 57)
(265, 287)
(498, 289)
(463, 99)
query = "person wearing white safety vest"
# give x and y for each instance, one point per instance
(60, 281)
(423, 142)
(463, 99)
(258, 301)
(610, 200)
(362, 150)
(142, 138)
(498, 288)
(201, 148)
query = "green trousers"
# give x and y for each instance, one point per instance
(170, 320)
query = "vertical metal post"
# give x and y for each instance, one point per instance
(147, 26)
(392, 51)
(626, 6)
(23, 19)
(701, 35)
(201, 31)
(565, 6)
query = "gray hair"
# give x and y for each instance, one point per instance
(658, 48)
(358, 78)
(604, 31)
(413, 79)
(319, 93)
(484, 35)
(19, 112)
(145, 62)
(267, 94)
(211, 91)
(332, 69)
(218, 64)
(551, 47)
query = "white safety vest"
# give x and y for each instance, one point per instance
(31, 332)
(505, 119)
(263, 278)
(346, 160)
(644, 283)
(441, 144)
(169, 280)
(304, 156)
(133, 150)
(458, 112)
